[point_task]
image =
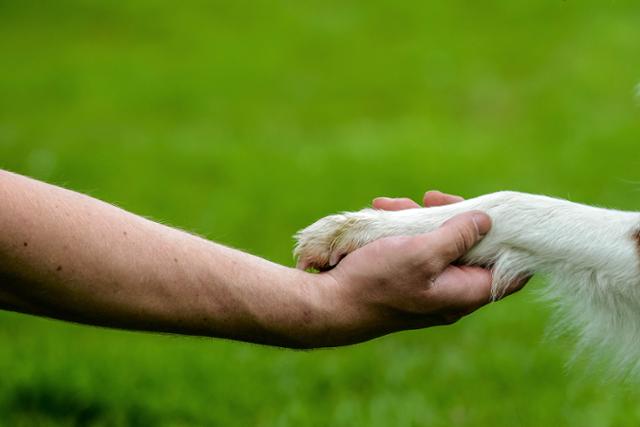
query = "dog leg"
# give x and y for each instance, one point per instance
(530, 234)
(590, 255)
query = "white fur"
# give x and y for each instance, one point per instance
(589, 254)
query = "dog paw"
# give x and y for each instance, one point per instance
(324, 243)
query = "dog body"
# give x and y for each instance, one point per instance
(590, 255)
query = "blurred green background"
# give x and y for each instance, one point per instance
(246, 120)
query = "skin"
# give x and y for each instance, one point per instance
(68, 256)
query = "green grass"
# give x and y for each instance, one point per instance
(244, 121)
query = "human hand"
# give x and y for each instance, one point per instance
(431, 199)
(407, 282)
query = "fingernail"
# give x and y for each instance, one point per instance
(483, 222)
(381, 200)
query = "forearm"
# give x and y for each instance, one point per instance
(69, 256)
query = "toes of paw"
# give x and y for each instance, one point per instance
(325, 243)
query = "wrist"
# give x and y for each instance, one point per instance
(323, 316)
(319, 320)
(340, 316)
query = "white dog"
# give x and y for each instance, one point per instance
(591, 256)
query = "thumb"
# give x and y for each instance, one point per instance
(456, 237)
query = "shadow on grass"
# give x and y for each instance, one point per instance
(49, 405)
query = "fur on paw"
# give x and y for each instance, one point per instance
(324, 243)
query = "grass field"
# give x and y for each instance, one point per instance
(244, 121)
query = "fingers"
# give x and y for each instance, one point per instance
(462, 289)
(516, 285)
(436, 198)
(454, 238)
(431, 199)
(389, 204)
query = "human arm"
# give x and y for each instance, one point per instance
(69, 256)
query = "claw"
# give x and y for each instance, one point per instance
(335, 259)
